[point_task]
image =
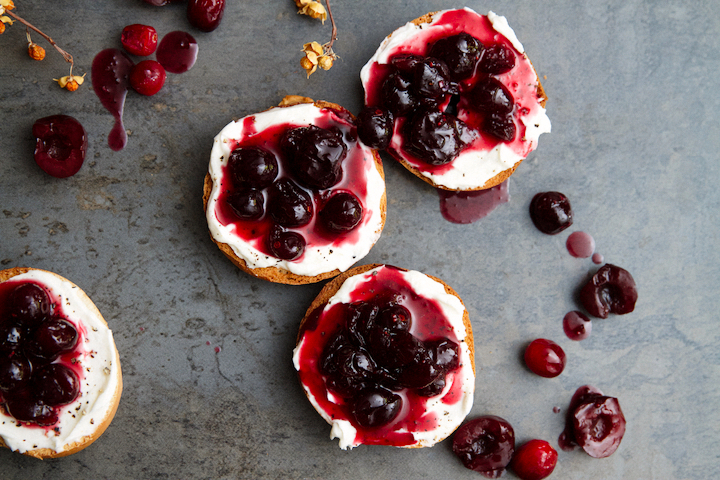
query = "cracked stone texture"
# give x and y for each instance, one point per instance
(210, 391)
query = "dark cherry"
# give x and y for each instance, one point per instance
(375, 127)
(397, 95)
(434, 388)
(60, 145)
(436, 138)
(11, 336)
(55, 384)
(15, 371)
(147, 77)
(485, 445)
(545, 358)
(491, 96)
(611, 290)
(395, 349)
(205, 15)
(23, 406)
(534, 460)
(421, 371)
(247, 203)
(288, 204)
(327, 364)
(405, 63)
(315, 155)
(29, 304)
(445, 354)
(395, 318)
(138, 39)
(253, 167)
(52, 338)
(360, 319)
(286, 245)
(432, 79)
(598, 425)
(177, 52)
(500, 126)
(497, 59)
(460, 53)
(551, 212)
(354, 362)
(341, 213)
(376, 407)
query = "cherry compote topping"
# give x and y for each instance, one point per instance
(289, 205)
(286, 245)
(460, 53)
(534, 460)
(490, 95)
(60, 145)
(253, 167)
(177, 52)
(36, 378)
(485, 445)
(139, 39)
(437, 138)
(147, 77)
(205, 15)
(375, 127)
(551, 212)
(545, 358)
(497, 59)
(341, 213)
(611, 290)
(315, 155)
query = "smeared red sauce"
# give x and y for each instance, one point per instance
(468, 207)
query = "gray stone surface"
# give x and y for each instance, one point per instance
(633, 100)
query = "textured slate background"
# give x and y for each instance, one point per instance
(633, 100)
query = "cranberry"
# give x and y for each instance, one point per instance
(460, 53)
(432, 79)
(375, 127)
(253, 167)
(397, 95)
(598, 425)
(60, 145)
(139, 39)
(289, 205)
(545, 358)
(551, 212)
(497, 59)
(15, 371)
(485, 445)
(500, 126)
(205, 15)
(147, 77)
(247, 203)
(29, 304)
(286, 245)
(534, 460)
(22, 406)
(437, 138)
(55, 384)
(377, 407)
(491, 96)
(610, 290)
(315, 155)
(341, 213)
(52, 338)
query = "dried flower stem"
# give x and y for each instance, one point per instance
(68, 58)
(333, 35)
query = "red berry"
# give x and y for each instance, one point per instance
(61, 143)
(147, 77)
(139, 39)
(545, 358)
(205, 14)
(534, 460)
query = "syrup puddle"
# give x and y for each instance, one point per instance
(469, 207)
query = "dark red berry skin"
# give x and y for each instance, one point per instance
(147, 77)
(60, 145)
(545, 358)
(598, 425)
(342, 213)
(551, 212)
(485, 445)
(375, 127)
(205, 15)
(138, 39)
(534, 460)
(611, 290)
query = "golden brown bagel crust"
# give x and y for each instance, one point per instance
(70, 448)
(276, 274)
(497, 179)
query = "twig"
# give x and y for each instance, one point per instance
(333, 36)
(68, 58)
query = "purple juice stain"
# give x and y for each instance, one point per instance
(177, 52)
(110, 80)
(468, 207)
(580, 244)
(577, 325)
(598, 258)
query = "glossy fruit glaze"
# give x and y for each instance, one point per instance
(60, 145)
(291, 201)
(545, 358)
(534, 460)
(177, 52)
(39, 346)
(485, 445)
(110, 80)
(520, 83)
(580, 244)
(471, 206)
(401, 410)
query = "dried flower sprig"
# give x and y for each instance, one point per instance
(36, 52)
(316, 55)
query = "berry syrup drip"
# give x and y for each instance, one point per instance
(468, 207)
(577, 326)
(256, 231)
(110, 79)
(580, 244)
(404, 411)
(520, 82)
(39, 352)
(177, 52)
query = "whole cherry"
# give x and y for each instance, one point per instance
(545, 358)
(205, 15)
(139, 39)
(534, 460)
(147, 77)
